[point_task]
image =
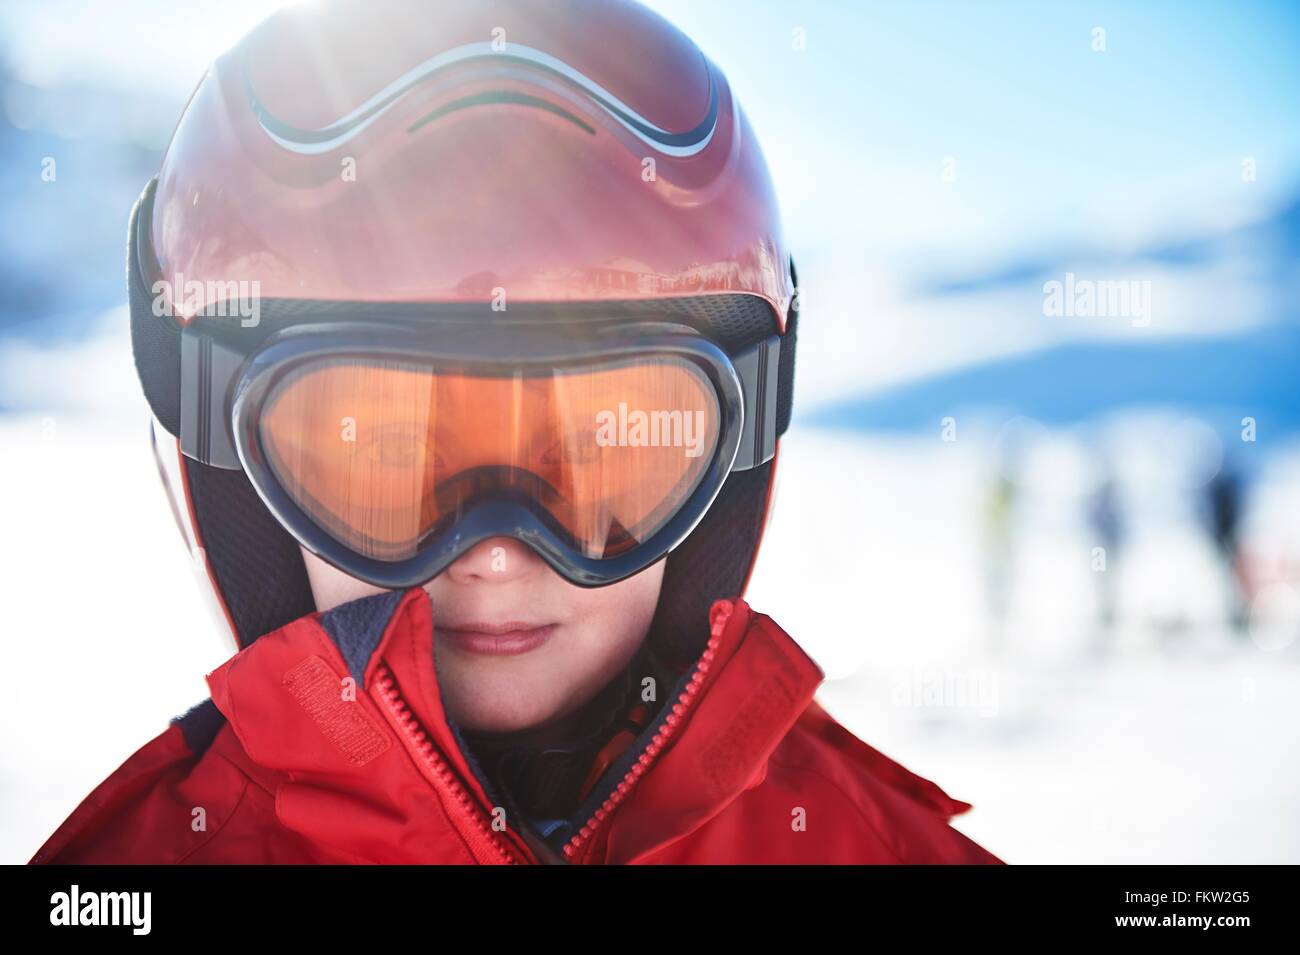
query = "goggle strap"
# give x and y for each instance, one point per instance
(758, 368)
(208, 366)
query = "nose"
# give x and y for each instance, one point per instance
(497, 560)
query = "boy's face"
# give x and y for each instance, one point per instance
(518, 646)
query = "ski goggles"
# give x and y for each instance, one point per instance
(391, 450)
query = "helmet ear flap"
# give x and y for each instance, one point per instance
(255, 565)
(713, 562)
(155, 338)
(171, 464)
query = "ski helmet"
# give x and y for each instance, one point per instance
(392, 178)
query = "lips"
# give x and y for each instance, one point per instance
(497, 639)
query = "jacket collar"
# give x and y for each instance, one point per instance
(342, 714)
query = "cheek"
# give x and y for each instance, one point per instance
(611, 623)
(622, 611)
(330, 586)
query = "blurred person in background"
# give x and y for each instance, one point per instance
(1223, 507)
(998, 526)
(1106, 522)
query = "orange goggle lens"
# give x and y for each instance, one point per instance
(381, 454)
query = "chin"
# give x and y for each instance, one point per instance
(487, 717)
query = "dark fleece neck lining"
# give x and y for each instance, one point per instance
(356, 628)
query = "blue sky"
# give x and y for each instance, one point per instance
(1052, 141)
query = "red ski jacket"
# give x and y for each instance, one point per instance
(742, 767)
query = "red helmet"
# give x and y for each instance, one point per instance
(387, 160)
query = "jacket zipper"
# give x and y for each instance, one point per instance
(656, 745)
(435, 768)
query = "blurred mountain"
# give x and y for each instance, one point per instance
(1220, 379)
(1272, 245)
(1253, 370)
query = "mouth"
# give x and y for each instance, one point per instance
(497, 639)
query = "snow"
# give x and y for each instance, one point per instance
(1179, 746)
(105, 628)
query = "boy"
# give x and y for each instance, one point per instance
(473, 330)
